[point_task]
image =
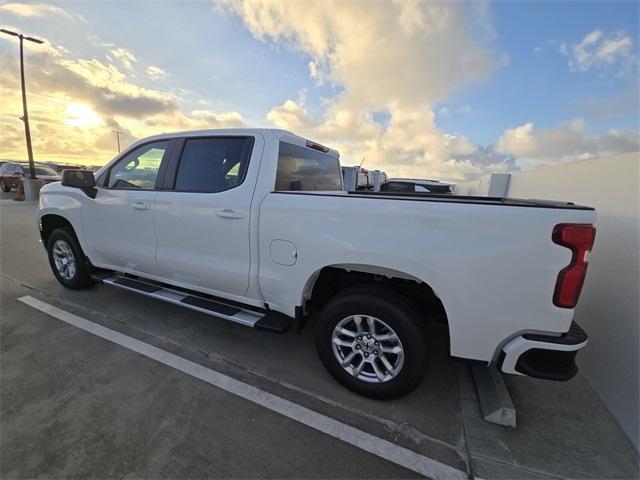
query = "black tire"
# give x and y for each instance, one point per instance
(396, 312)
(81, 278)
(5, 187)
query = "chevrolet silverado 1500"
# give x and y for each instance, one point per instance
(253, 226)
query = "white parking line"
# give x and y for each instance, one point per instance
(382, 448)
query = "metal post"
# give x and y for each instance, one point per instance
(25, 115)
(117, 132)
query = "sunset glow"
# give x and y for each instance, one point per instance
(82, 115)
(421, 89)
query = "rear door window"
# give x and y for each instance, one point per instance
(306, 169)
(213, 164)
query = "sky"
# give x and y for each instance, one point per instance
(448, 90)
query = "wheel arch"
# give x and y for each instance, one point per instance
(51, 218)
(61, 206)
(49, 222)
(328, 280)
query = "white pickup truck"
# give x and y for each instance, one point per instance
(252, 226)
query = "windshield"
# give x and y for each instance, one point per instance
(45, 171)
(40, 170)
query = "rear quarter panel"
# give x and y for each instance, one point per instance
(494, 267)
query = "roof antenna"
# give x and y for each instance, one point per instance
(363, 159)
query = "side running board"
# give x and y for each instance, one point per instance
(248, 316)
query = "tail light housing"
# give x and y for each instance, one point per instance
(579, 238)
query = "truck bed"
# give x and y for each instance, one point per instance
(447, 198)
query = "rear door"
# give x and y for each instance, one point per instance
(202, 215)
(118, 223)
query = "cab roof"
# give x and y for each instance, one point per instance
(284, 135)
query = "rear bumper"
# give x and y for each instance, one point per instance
(544, 356)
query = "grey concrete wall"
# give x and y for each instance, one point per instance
(609, 306)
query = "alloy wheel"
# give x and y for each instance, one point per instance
(367, 348)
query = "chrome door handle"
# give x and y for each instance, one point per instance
(228, 213)
(140, 206)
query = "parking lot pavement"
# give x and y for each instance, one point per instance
(6, 196)
(75, 405)
(87, 408)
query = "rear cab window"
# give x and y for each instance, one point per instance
(306, 169)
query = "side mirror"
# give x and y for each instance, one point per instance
(82, 179)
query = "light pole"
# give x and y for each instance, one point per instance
(25, 115)
(117, 132)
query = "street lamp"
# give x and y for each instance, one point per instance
(25, 116)
(117, 132)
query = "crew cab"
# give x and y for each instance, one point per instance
(253, 226)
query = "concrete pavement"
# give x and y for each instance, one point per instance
(74, 406)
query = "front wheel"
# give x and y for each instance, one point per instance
(4, 186)
(369, 338)
(68, 262)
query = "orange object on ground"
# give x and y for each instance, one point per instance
(19, 193)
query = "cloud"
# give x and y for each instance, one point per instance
(292, 116)
(399, 44)
(315, 72)
(597, 51)
(155, 73)
(409, 144)
(607, 107)
(566, 142)
(75, 103)
(101, 85)
(380, 57)
(125, 56)
(517, 140)
(447, 112)
(390, 57)
(35, 10)
(210, 119)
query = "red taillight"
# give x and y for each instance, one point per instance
(579, 238)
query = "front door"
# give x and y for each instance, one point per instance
(202, 220)
(118, 223)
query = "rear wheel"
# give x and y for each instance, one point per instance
(369, 338)
(5, 187)
(69, 264)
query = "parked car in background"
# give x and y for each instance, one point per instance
(418, 186)
(355, 179)
(12, 173)
(358, 178)
(57, 167)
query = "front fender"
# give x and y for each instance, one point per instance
(64, 202)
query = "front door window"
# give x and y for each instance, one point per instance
(139, 168)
